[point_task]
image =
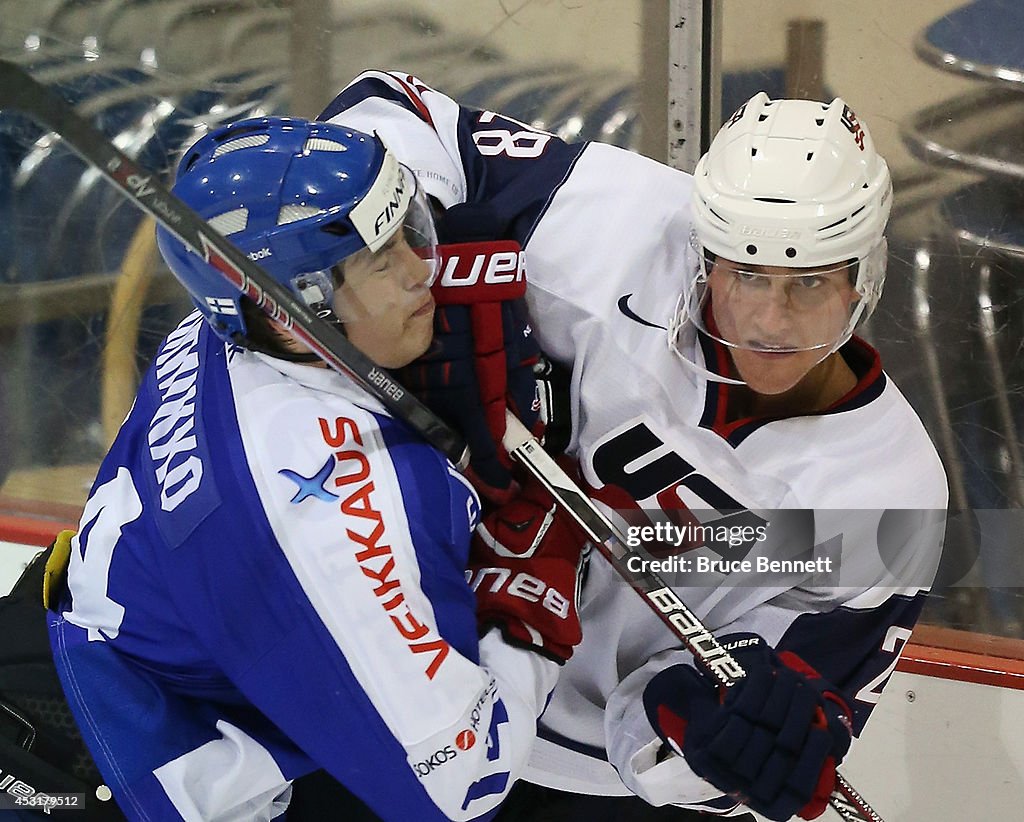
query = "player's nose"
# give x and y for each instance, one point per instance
(774, 307)
(415, 270)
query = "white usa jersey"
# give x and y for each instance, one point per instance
(268, 579)
(857, 489)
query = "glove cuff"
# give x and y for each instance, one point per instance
(517, 633)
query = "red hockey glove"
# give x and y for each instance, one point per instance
(482, 358)
(772, 741)
(525, 565)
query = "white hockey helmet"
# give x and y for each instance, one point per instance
(794, 184)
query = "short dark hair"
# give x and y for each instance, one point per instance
(260, 334)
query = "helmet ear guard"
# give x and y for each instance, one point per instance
(791, 186)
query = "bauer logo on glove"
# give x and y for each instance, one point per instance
(526, 566)
(481, 362)
(493, 265)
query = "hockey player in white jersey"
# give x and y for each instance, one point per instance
(708, 322)
(269, 577)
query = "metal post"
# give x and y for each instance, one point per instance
(694, 79)
(652, 91)
(310, 57)
(805, 59)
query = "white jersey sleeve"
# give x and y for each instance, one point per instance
(606, 234)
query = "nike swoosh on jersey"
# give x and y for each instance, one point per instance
(628, 312)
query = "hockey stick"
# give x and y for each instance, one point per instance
(657, 594)
(20, 91)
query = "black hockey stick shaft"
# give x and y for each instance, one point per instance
(20, 91)
(716, 662)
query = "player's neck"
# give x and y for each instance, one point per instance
(822, 387)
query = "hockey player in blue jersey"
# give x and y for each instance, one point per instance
(708, 322)
(270, 574)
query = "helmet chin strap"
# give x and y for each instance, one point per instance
(701, 371)
(680, 319)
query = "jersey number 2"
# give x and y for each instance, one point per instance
(893, 644)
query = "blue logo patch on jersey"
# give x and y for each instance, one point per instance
(494, 783)
(311, 486)
(499, 717)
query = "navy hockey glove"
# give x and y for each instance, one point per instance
(482, 357)
(526, 565)
(772, 741)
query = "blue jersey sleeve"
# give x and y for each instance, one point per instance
(269, 579)
(856, 649)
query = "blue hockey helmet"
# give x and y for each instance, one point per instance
(298, 197)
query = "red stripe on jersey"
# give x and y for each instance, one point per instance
(862, 358)
(414, 97)
(611, 495)
(870, 369)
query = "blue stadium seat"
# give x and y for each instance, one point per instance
(988, 215)
(981, 39)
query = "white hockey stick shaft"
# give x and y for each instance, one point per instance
(716, 661)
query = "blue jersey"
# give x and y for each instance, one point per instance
(268, 579)
(606, 235)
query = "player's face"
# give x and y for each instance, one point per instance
(385, 303)
(780, 322)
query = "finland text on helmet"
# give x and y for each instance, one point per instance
(322, 208)
(787, 251)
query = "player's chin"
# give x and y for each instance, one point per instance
(419, 333)
(399, 345)
(772, 373)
